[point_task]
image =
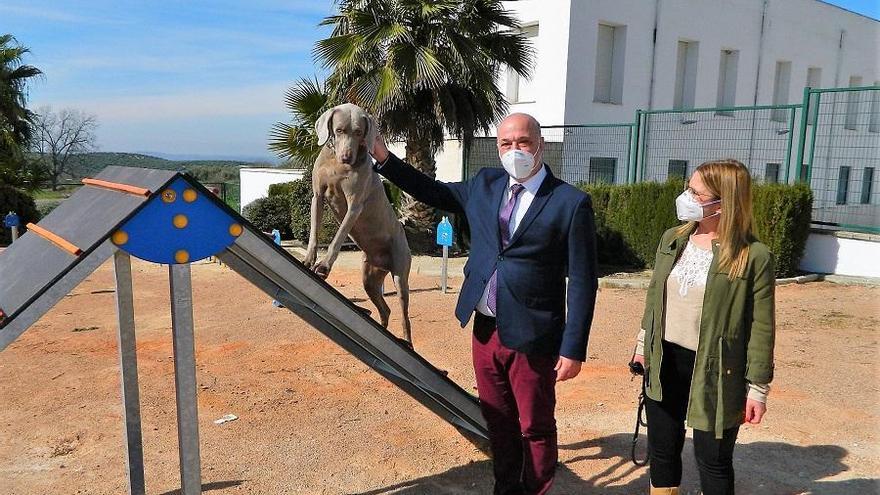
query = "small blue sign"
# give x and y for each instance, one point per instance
(11, 220)
(444, 232)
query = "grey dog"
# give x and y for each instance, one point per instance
(343, 176)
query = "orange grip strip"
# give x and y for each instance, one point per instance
(55, 239)
(140, 191)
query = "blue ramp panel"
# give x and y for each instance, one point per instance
(180, 224)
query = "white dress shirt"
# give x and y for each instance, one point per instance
(523, 201)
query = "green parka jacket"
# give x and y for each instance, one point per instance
(737, 333)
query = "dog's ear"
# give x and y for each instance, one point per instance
(322, 126)
(372, 131)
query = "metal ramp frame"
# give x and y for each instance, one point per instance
(51, 259)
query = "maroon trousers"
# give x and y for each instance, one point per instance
(518, 398)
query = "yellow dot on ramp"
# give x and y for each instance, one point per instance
(180, 221)
(169, 195)
(181, 256)
(235, 230)
(119, 237)
(190, 195)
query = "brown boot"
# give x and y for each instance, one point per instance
(664, 491)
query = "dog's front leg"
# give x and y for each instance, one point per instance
(354, 210)
(316, 217)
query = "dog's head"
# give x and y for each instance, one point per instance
(349, 130)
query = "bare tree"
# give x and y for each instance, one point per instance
(59, 137)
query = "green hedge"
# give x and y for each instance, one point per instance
(12, 199)
(782, 222)
(299, 196)
(631, 218)
(270, 213)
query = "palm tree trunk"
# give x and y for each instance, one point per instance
(419, 219)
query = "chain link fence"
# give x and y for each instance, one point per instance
(830, 141)
(842, 154)
(229, 192)
(673, 143)
(576, 153)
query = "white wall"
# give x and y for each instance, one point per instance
(828, 253)
(255, 182)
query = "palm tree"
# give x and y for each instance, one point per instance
(15, 118)
(297, 141)
(426, 69)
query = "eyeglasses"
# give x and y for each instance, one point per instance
(704, 197)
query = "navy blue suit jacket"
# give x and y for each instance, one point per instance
(556, 239)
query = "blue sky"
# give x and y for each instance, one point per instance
(199, 77)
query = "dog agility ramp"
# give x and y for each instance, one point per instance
(132, 209)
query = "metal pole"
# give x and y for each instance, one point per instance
(14, 233)
(185, 379)
(443, 268)
(806, 110)
(128, 369)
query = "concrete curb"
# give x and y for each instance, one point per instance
(803, 279)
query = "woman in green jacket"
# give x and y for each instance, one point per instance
(708, 330)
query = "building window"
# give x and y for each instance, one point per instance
(852, 104)
(867, 185)
(771, 173)
(727, 80)
(602, 170)
(781, 84)
(842, 185)
(610, 56)
(521, 89)
(814, 80)
(874, 119)
(804, 172)
(686, 74)
(677, 170)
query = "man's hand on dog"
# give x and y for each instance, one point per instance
(379, 151)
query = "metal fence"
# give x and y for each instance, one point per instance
(841, 156)
(674, 142)
(229, 192)
(575, 153)
(831, 141)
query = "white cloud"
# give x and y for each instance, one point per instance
(227, 102)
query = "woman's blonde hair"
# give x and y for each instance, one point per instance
(729, 180)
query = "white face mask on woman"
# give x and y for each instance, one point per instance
(689, 209)
(518, 163)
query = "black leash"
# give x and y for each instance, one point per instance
(637, 369)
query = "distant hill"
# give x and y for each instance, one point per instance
(90, 164)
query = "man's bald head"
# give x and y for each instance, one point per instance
(520, 120)
(521, 131)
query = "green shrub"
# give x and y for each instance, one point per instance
(299, 194)
(782, 222)
(12, 199)
(270, 213)
(45, 206)
(631, 218)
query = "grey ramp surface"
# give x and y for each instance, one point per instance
(281, 276)
(32, 264)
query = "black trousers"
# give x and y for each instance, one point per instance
(666, 422)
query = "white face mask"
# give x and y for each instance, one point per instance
(689, 209)
(518, 163)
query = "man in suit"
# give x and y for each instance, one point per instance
(529, 232)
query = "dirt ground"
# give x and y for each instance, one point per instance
(313, 420)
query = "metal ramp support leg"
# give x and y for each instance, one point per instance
(185, 379)
(129, 373)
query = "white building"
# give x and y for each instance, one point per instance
(255, 182)
(601, 60)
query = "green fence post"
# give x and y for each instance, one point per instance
(815, 124)
(788, 145)
(634, 149)
(802, 134)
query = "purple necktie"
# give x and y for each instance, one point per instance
(504, 225)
